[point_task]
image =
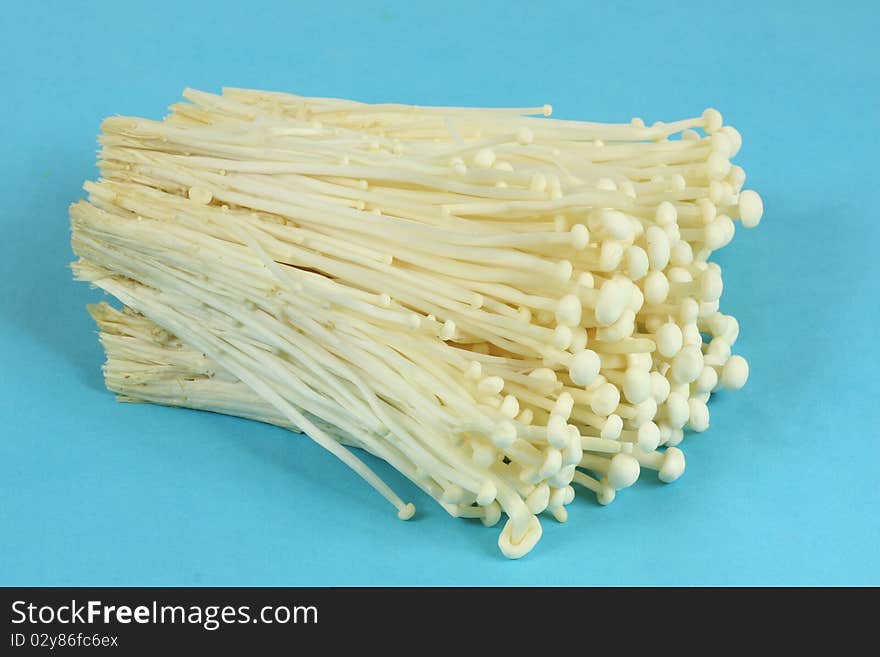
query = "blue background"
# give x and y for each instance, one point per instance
(783, 489)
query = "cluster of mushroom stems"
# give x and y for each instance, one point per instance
(507, 308)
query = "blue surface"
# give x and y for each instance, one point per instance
(782, 490)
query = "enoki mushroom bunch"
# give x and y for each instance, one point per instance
(506, 308)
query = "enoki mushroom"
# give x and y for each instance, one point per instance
(507, 308)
